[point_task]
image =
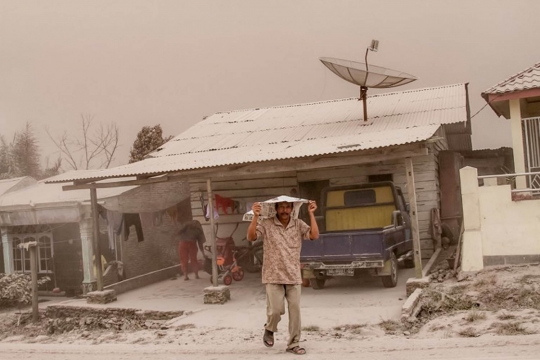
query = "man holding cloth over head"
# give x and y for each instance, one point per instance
(282, 241)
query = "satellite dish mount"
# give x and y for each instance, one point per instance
(359, 74)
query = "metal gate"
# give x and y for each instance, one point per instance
(531, 132)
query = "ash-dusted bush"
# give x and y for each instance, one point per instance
(16, 289)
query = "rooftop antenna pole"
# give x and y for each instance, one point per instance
(363, 89)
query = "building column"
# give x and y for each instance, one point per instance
(517, 143)
(89, 281)
(473, 253)
(7, 244)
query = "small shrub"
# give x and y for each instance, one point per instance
(475, 315)
(511, 328)
(311, 328)
(505, 316)
(389, 326)
(469, 332)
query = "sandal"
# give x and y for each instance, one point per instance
(297, 350)
(268, 338)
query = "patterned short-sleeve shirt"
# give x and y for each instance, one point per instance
(282, 245)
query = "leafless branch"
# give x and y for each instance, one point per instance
(93, 144)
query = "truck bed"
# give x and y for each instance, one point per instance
(344, 247)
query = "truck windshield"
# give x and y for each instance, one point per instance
(359, 197)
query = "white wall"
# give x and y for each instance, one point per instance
(494, 224)
(508, 227)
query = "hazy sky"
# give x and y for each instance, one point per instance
(172, 62)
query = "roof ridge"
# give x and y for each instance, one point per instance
(335, 100)
(511, 78)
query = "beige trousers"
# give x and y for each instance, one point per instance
(275, 307)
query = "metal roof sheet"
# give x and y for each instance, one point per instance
(7, 184)
(294, 131)
(43, 193)
(523, 80)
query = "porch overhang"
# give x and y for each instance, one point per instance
(264, 167)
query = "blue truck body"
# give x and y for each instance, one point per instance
(347, 252)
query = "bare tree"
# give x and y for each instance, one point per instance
(93, 147)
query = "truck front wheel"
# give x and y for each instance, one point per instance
(390, 281)
(317, 284)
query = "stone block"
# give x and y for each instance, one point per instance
(410, 305)
(216, 295)
(413, 284)
(101, 297)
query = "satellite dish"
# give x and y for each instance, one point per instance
(356, 73)
(367, 76)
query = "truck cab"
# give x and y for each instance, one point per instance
(364, 228)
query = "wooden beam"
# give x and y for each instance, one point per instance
(212, 231)
(414, 218)
(431, 262)
(34, 273)
(116, 184)
(300, 165)
(95, 239)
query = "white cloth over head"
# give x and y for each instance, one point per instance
(268, 209)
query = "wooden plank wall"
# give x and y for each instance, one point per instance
(249, 189)
(245, 189)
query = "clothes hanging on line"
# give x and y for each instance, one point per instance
(114, 226)
(158, 218)
(135, 220)
(224, 204)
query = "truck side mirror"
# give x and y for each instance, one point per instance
(397, 218)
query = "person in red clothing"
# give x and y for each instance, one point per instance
(190, 236)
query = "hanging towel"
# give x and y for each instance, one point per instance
(158, 218)
(207, 213)
(114, 226)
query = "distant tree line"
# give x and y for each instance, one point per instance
(93, 146)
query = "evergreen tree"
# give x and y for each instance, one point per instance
(148, 140)
(6, 163)
(25, 153)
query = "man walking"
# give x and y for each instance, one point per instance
(282, 240)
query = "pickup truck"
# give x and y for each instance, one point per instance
(364, 228)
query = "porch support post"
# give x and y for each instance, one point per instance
(95, 231)
(89, 281)
(212, 229)
(517, 142)
(7, 244)
(411, 190)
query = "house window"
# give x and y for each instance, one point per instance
(21, 256)
(17, 255)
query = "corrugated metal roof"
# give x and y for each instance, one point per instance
(46, 194)
(524, 80)
(294, 131)
(7, 184)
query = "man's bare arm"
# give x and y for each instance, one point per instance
(252, 229)
(314, 232)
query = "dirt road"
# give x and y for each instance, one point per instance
(483, 348)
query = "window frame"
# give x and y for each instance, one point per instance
(22, 256)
